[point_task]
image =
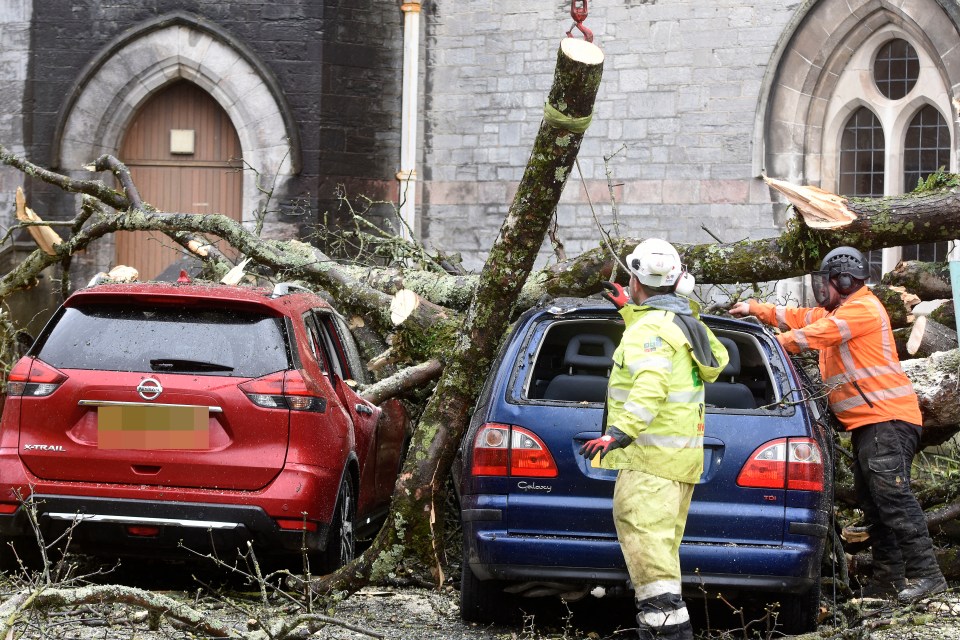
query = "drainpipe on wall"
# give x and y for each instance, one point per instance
(407, 176)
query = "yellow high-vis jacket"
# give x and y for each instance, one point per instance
(655, 394)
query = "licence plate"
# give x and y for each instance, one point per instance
(153, 427)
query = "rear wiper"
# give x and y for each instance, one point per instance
(177, 364)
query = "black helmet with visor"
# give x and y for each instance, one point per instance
(848, 269)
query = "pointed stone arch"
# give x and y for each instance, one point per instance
(179, 46)
(809, 60)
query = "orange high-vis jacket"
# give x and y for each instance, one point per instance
(858, 357)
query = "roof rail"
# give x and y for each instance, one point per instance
(286, 288)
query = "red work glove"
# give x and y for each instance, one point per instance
(615, 294)
(603, 445)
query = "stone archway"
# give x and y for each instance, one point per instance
(808, 61)
(136, 65)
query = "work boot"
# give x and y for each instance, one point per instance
(682, 631)
(922, 587)
(663, 617)
(883, 589)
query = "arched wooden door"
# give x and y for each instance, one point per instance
(184, 156)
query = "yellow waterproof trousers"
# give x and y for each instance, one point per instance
(650, 514)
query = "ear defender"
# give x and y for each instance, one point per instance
(845, 283)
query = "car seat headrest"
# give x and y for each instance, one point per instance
(733, 367)
(589, 351)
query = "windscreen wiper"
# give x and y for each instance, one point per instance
(178, 364)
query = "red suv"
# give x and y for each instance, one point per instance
(156, 417)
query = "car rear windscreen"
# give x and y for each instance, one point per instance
(197, 341)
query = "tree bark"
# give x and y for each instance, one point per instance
(417, 510)
(928, 280)
(945, 314)
(898, 303)
(936, 381)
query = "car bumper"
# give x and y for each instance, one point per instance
(499, 555)
(168, 528)
(200, 518)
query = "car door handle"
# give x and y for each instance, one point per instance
(364, 409)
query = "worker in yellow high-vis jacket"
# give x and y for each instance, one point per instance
(654, 430)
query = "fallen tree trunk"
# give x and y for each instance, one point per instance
(417, 523)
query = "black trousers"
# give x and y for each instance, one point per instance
(881, 478)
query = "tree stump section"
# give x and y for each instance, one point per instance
(929, 336)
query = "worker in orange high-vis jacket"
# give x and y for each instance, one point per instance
(871, 397)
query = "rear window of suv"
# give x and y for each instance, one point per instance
(198, 341)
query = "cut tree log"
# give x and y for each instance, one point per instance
(929, 280)
(929, 336)
(937, 382)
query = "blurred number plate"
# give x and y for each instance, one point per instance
(153, 427)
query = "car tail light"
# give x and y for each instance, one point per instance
(507, 450)
(143, 531)
(786, 463)
(289, 524)
(7, 507)
(283, 390)
(32, 377)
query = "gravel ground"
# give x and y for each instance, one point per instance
(419, 614)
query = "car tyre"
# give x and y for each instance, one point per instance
(341, 538)
(800, 613)
(483, 601)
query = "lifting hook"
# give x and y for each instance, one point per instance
(578, 11)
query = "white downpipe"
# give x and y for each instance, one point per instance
(407, 176)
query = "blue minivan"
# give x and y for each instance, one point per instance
(537, 516)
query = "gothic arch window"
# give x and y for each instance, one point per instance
(926, 149)
(895, 59)
(886, 115)
(862, 164)
(862, 161)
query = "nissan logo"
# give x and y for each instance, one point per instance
(149, 389)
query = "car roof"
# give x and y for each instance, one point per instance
(283, 300)
(558, 307)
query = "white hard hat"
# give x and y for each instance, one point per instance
(656, 264)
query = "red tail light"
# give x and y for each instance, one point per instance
(289, 524)
(32, 377)
(507, 450)
(786, 463)
(283, 390)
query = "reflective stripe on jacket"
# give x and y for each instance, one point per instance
(655, 396)
(858, 357)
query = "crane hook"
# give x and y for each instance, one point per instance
(578, 11)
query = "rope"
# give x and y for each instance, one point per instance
(555, 118)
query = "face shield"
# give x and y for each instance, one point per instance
(820, 282)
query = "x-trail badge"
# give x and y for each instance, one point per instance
(149, 389)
